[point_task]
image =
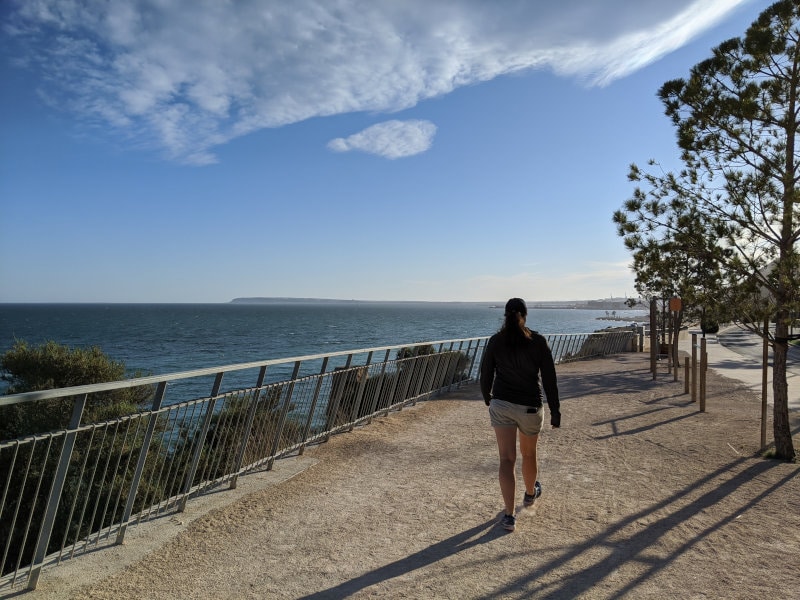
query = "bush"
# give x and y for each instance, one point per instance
(49, 366)
(418, 370)
(29, 469)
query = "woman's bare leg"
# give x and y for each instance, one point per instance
(507, 447)
(530, 466)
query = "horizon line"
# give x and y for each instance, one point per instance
(258, 299)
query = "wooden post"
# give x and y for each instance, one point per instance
(703, 367)
(669, 334)
(686, 376)
(675, 306)
(694, 367)
(676, 332)
(653, 338)
(764, 377)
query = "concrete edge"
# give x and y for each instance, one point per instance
(66, 579)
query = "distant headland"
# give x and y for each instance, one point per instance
(282, 300)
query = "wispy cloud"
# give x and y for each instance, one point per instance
(189, 75)
(391, 139)
(609, 278)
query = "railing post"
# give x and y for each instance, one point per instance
(390, 397)
(565, 346)
(411, 366)
(432, 382)
(420, 372)
(333, 403)
(317, 389)
(457, 359)
(577, 342)
(432, 375)
(440, 374)
(432, 372)
(248, 427)
(474, 364)
(447, 378)
(137, 476)
(282, 419)
(379, 388)
(556, 349)
(201, 439)
(606, 344)
(360, 393)
(451, 365)
(480, 347)
(467, 353)
(55, 490)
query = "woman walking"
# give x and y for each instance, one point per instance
(512, 362)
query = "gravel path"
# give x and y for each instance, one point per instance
(644, 497)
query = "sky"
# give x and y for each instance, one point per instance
(434, 150)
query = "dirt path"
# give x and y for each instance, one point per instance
(644, 497)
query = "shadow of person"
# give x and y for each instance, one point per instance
(480, 534)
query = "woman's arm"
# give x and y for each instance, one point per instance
(487, 371)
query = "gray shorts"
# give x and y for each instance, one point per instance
(508, 414)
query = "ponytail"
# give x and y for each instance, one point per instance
(513, 330)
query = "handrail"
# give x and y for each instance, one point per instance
(156, 379)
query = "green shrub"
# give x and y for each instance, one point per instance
(29, 469)
(49, 366)
(418, 369)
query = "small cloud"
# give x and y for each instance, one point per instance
(391, 139)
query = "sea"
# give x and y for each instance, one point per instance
(156, 339)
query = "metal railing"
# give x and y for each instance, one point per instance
(66, 492)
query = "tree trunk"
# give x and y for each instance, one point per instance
(784, 449)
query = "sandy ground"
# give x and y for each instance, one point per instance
(644, 497)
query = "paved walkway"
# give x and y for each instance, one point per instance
(644, 497)
(737, 354)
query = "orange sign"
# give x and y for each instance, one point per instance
(675, 304)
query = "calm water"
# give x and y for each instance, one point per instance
(165, 338)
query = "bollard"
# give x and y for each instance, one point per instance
(703, 368)
(764, 379)
(675, 362)
(694, 367)
(686, 375)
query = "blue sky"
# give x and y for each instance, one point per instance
(200, 150)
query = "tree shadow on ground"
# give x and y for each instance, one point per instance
(617, 432)
(622, 548)
(738, 365)
(486, 532)
(633, 548)
(624, 380)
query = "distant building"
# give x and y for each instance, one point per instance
(608, 304)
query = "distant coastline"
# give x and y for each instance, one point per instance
(606, 304)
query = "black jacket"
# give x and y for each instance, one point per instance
(511, 373)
